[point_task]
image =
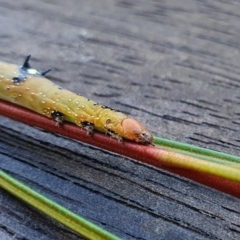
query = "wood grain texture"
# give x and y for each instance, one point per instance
(173, 65)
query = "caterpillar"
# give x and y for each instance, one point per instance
(27, 87)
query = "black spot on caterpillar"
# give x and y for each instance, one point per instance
(29, 88)
(57, 116)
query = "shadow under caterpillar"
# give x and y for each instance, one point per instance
(30, 88)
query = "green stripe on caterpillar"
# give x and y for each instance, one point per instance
(29, 88)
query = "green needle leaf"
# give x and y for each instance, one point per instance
(62, 215)
(198, 152)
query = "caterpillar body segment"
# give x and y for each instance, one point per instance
(29, 88)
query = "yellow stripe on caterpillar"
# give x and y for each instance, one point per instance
(29, 88)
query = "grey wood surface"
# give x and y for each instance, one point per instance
(173, 65)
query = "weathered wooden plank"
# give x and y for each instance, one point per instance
(171, 64)
(115, 191)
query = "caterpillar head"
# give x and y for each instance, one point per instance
(135, 131)
(119, 124)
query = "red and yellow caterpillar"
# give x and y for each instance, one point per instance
(29, 88)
